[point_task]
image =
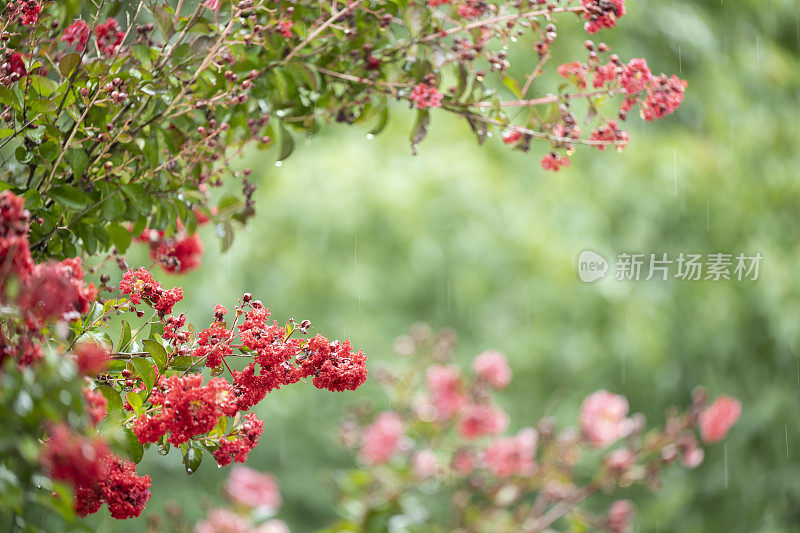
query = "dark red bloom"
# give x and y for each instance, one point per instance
(109, 37)
(664, 96)
(333, 365)
(247, 438)
(180, 254)
(601, 14)
(73, 458)
(636, 76)
(29, 12)
(77, 35)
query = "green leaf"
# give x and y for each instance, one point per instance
(144, 368)
(192, 456)
(287, 144)
(133, 446)
(136, 194)
(420, 129)
(125, 336)
(78, 161)
(112, 397)
(158, 352)
(164, 21)
(69, 63)
(120, 236)
(135, 401)
(383, 119)
(69, 196)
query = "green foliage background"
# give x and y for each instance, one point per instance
(363, 239)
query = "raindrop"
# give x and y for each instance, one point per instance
(370, 136)
(278, 163)
(513, 39)
(280, 112)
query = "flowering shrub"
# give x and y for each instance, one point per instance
(122, 117)
(444, 445)
(145, 389)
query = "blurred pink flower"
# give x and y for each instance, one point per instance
(463, 462)
(479, 420)
(718, 418)
(603, 418)
(272, 526)
(512, 455)
(620, 460)
(444, 382)
(223, 521)
(382, 438)
(250, 488)
(213, 4)
(492, 367)
(620, 516)
(424, 464)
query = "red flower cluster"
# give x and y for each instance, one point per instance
(90, 358)
(77, 35)
(97, 475)
(178, 253)
(12, 69)
(472, 9)
(573, 71)
(109, 37)
(186, 408)
(246, 438)
(96, 405)
(425, 96)
(553, 161)
(28, 11)
(50, 291)
(601, 14)
(611, 133)
(664, 96)
(141, 285)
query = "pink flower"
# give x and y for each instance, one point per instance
(425, 96)
(444, 382)
(272, 526)
(223, 521)
(620, 460)
(620, 516)
(424, 464)
(251, 488)
(512, 455)
(479, 420)
(605, 74)
(511, 137)
(492, 367)
(718, 418)
(553, 162)
(603, 418)
(77, 35)
(463, 462)
(213, 4)
(382, 439)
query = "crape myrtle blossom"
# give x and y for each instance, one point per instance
(536, 474)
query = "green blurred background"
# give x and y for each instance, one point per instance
(363, 239)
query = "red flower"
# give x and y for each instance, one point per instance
(611, 133)
(605, 73)
(125, 493)
(213, 344)
(480, 420)
(109, 37)
(511, 137)
(96, 405)
(77, 35)
(186, 252)
(30, 10)
(447, 396)
(285, 27)
(425, 96)
(73, 458)
(15, 255)
(246, 439)
(553, 162)
(512, 455)
(334, 365)
(90, 358)
(56, 291)
(635, 76)
(664, 96)
(213, 4)
(573, 71)
(717, 419)
(382, 439)
(12, 69)
(139, 285)
(601, 14)
(434, 3)
(472, 9)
